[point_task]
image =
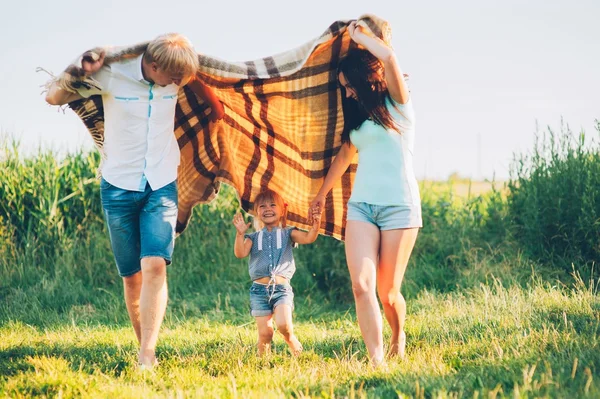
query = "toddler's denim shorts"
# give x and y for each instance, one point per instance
(264, 298)
(386, 217)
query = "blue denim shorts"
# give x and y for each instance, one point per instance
(264, 298)
(386, 217)
(140, 224)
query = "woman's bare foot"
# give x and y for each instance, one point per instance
(397, 349)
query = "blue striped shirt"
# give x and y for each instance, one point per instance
(271, 253)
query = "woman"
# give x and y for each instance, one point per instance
(384, 210)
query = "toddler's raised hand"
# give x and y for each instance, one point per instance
(240, 223)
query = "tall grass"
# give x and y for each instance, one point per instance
(554, 200)
(458, 233)
(53, 232)
(45, 200)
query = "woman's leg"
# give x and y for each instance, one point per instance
(283, 321)
(396, 247)
(265, 333)
(362, 246)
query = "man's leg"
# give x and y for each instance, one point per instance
(157, 237)
(133, 288)
(153, 304)
(121, 212)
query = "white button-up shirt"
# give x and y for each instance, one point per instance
(139, 120)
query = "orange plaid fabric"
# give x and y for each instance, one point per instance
(281, 130)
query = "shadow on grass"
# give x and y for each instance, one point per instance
(462, 374)
(109, 359)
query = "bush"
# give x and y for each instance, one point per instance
(554, 199)
(54, 241)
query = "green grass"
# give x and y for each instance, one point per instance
(488, 316)
(533, 341)
(555, 202)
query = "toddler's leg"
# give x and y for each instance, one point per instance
(265, 333)
(283, 320)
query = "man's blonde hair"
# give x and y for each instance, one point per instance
(174, 54)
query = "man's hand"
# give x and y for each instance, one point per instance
(240, 224)
(207, 95)
(217, 111)
(92, 61)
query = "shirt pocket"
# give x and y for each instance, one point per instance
(126, 99)
(129, 108)
(163, 111)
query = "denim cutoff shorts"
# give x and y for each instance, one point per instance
(386, 217)
(140, 224)
(264, 298)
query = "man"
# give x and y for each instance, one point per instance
(138, 186)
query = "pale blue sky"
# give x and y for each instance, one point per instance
(487, 69)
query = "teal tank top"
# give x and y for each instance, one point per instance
(385, 174)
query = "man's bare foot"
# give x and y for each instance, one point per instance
(397, 349)
(378, 362)
(147, 360)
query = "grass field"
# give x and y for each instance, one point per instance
(487, 317)
(490, 341)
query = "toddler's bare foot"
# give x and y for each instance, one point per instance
(264, 350)
(295, 346)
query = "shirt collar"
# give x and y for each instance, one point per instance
(137, 73)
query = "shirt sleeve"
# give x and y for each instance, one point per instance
(404, 114)
(103, 76)
(250, 236)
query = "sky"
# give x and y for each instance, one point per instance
(484, 75)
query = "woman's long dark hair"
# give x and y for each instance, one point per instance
(364, 73)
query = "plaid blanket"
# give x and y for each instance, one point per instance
(281, 130)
